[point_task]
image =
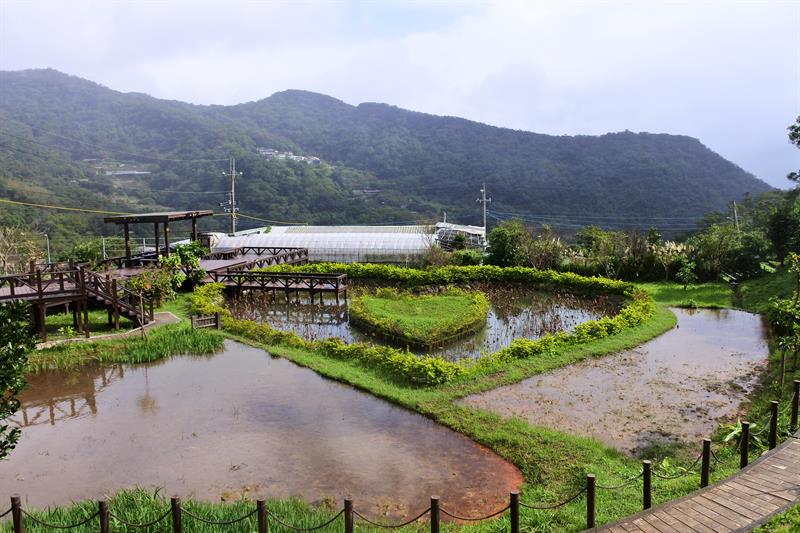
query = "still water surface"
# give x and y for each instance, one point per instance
(675, 388)
(240, 423)
(515, 312)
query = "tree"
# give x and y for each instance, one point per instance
(507, 243)
(15, 343)
(16, 250)
(794, 138)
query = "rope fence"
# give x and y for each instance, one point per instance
(588, 492)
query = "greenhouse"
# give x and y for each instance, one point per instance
(405, 245)
(373, 244)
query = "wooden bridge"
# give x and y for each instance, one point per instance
(294, 282)
(741, 502)
(55, 284)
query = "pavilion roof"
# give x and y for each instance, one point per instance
(164, 216)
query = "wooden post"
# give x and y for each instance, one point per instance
(155, 225)
(115, 303)
(192, 320)
(39, 282)
(218, 320)
(647, 484)
(194, 229)
(86, 317)
(434, 514)
(773, 424)
(706, 465)
(104, 527)
(795, 404)
(744, 445)
(16, 514)
(514, 507)
(590, 501)
(42, 319)
(166, 238)
(127, 244)
(348, 516)
(261, 512)
(177, 523)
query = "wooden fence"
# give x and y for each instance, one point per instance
(211, 321)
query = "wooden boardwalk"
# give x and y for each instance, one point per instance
(741, 502)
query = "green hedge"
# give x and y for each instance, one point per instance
(422, 332)
(401, 365)
(413, 277)
(404, 366)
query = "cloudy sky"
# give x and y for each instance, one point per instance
(725, 72)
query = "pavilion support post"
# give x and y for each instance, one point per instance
(40, 309)
(127, 244)
(155, 226)
(194, 229)
(166, 239)
(86, 317)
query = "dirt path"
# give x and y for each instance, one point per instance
(677, 387)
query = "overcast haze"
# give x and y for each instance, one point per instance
(727, 73)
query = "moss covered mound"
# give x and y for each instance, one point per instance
(420, 320)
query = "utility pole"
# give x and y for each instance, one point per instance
(735, 215)
(483, 200)
(230, 206)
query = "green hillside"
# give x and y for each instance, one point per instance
(60, 136)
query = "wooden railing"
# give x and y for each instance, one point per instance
(65, 280)
(118, 296)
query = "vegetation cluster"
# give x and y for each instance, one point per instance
(405, 367)
(420, 320)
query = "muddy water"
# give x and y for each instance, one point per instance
(240, 424)
(675, 388)
(513, 313)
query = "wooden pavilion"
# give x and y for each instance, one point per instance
(163, 218)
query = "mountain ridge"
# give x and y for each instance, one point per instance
(420, 164)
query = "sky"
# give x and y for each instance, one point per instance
(727, 73)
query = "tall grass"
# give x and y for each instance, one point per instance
(165, 341)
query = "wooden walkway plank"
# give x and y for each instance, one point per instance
(769, 485)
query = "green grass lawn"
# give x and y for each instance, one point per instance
(422, 320)
(755, 294)
(60, 326)
(709, 295)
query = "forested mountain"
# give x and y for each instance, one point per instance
(62, 138)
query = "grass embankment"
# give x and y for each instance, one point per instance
(420, 319)
(165, 341)
(754, 295)
(712, 295)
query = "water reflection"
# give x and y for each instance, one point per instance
(76, 395)
(238, 424)
(515, 312)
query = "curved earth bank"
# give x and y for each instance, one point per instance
(236, 424)
(677, 387)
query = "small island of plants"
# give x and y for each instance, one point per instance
(423, 320)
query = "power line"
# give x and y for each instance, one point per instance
(622, 217)
(63, 208)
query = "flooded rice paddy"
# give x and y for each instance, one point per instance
(515, 312)
(240, 424)
(675, 388)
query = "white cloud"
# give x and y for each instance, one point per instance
(727, 73)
